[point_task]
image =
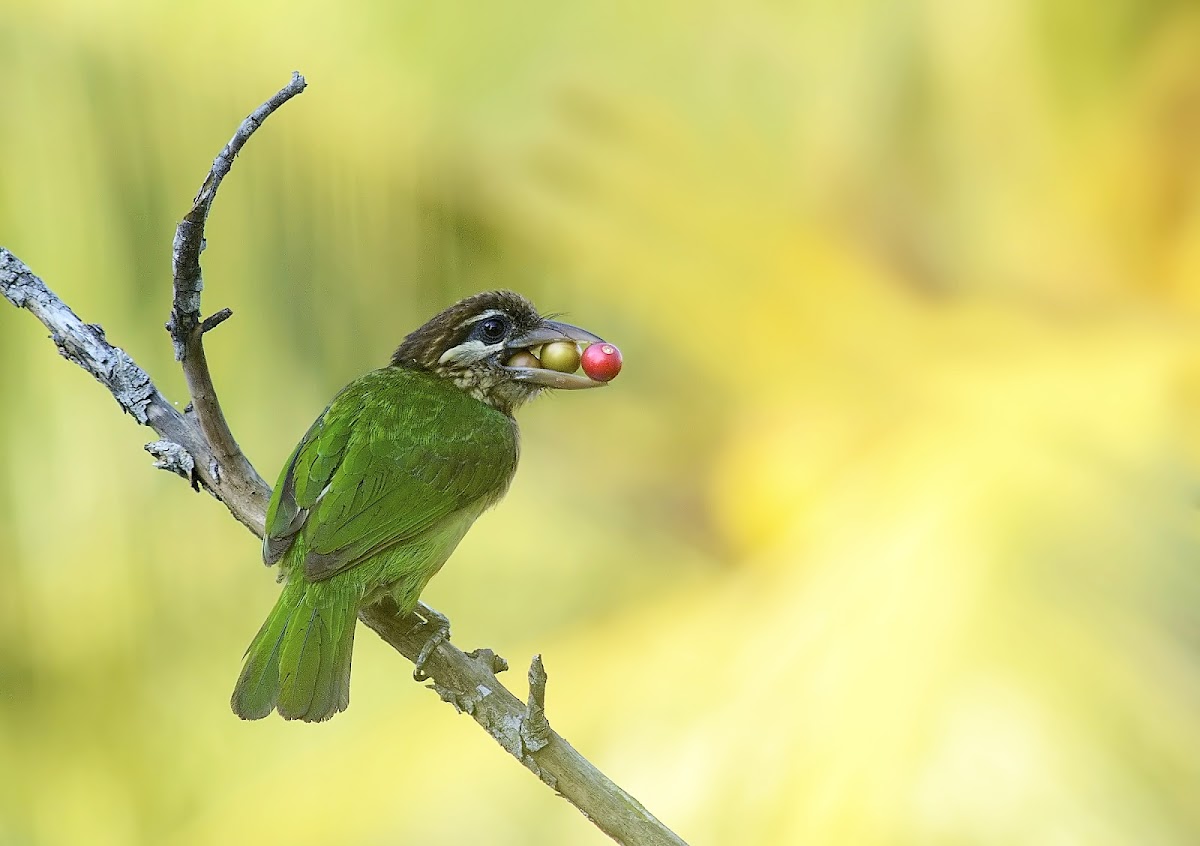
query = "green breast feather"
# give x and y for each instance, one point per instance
(396, 453)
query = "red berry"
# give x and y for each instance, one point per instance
(601, 362)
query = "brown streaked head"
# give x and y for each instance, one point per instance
(470, 342)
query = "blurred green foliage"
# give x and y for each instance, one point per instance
(886, 535)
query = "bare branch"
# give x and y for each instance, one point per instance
(213, 321)
(535, 731)
(189, 237)
(468, 682)
(200, 448)
(187, 330)
(85, 344)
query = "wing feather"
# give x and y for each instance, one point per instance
(394, 454)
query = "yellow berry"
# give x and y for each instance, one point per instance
(562, 356)
(524, 358)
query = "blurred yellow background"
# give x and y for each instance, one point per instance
(888, 534)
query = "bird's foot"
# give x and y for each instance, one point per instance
(441, 632)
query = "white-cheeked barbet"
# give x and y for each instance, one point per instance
(382, 488)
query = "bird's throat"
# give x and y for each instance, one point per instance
(489, 386)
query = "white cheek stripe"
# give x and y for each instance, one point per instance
(469, 351)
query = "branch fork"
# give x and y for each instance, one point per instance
(198, 446)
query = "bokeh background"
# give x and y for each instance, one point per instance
(889, 533)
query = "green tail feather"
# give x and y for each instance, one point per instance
(299, 662)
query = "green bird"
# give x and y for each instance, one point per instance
(384, 485)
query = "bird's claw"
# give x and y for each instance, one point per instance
(441, 632)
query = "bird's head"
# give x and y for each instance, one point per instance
(470, 342)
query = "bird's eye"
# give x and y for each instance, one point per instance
(493, 329)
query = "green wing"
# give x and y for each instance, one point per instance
(396, 453)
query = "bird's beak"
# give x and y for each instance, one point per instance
(553, 330)
(547, 332)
